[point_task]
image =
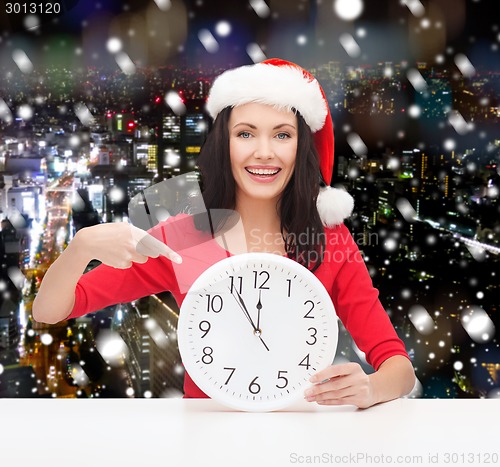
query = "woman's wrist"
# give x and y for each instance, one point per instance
(79, 247)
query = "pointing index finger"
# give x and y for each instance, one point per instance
(151, 246)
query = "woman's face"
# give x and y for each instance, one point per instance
(263, 148)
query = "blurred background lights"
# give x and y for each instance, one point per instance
(391, 245)
(348, 10)
(223, 28)
(112, 348)
(46, 339)
(464, 65)
(255, 53)
(260, 7)
(414, 111)
(421, 319)
(302, 39)
(116, 194)
(22, 61)
(163, 5)
(25, 112)
(361, 32)
(415, 6)
(31, 22)
(449, 144)
(208, 40)
(174, 101)
(350, 45)
(478, 324)
(125, 63)
(114, 45)
(357, 144)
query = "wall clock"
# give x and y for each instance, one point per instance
(253, 328)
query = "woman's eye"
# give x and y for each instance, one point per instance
(244, 134)
(283, 135)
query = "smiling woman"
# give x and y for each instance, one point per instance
(269, 151)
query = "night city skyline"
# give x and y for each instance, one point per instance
(102, 104)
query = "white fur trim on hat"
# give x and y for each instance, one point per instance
(334, 205)
(284, 87)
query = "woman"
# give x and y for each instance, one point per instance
(270, 147)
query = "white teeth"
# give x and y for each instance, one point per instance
(263, 171)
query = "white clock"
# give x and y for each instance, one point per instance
(253, 328)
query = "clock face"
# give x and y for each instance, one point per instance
(253, 328)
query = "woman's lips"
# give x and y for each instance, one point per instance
(263, 178)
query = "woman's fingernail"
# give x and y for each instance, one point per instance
(177, 259)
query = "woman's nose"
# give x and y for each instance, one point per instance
(264, 149)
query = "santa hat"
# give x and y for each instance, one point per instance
(286, 85)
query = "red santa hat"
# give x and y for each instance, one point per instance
(285, 85)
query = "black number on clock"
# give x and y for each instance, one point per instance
(239, 286)
(214, 303)
(231, 374)
(263, 284)
(308, 315)
(205, 328)
(280, 376)
(305, 362)
(207, 355)
(313, 335)
(289, 286)
(254, 387)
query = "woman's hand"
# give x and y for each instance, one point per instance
(349, 384)
(344, 384)
(119, 244)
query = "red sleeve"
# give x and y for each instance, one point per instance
(358, 306)
(105, 285)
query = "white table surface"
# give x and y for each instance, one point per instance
(197, 432)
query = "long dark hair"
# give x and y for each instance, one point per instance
(301, 226)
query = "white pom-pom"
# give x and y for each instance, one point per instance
(334, 205)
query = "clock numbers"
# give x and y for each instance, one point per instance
(231, 374)
(239, 282)
(289, 287)
(305, 362)
(205, 328)
(257, 275)
(308, 315)
(313, 335)
(207, 358)
(285, 383)
(254, 387)
(214, 303)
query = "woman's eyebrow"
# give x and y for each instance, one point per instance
(246, 124)
(281, 125)
(277, 127)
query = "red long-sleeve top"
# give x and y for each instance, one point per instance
(343, 274)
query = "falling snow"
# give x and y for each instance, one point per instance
(414, 125)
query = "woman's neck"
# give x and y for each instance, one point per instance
(261, 225)
(259, 214)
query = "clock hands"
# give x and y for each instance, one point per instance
(242, 305)
(259, 307)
